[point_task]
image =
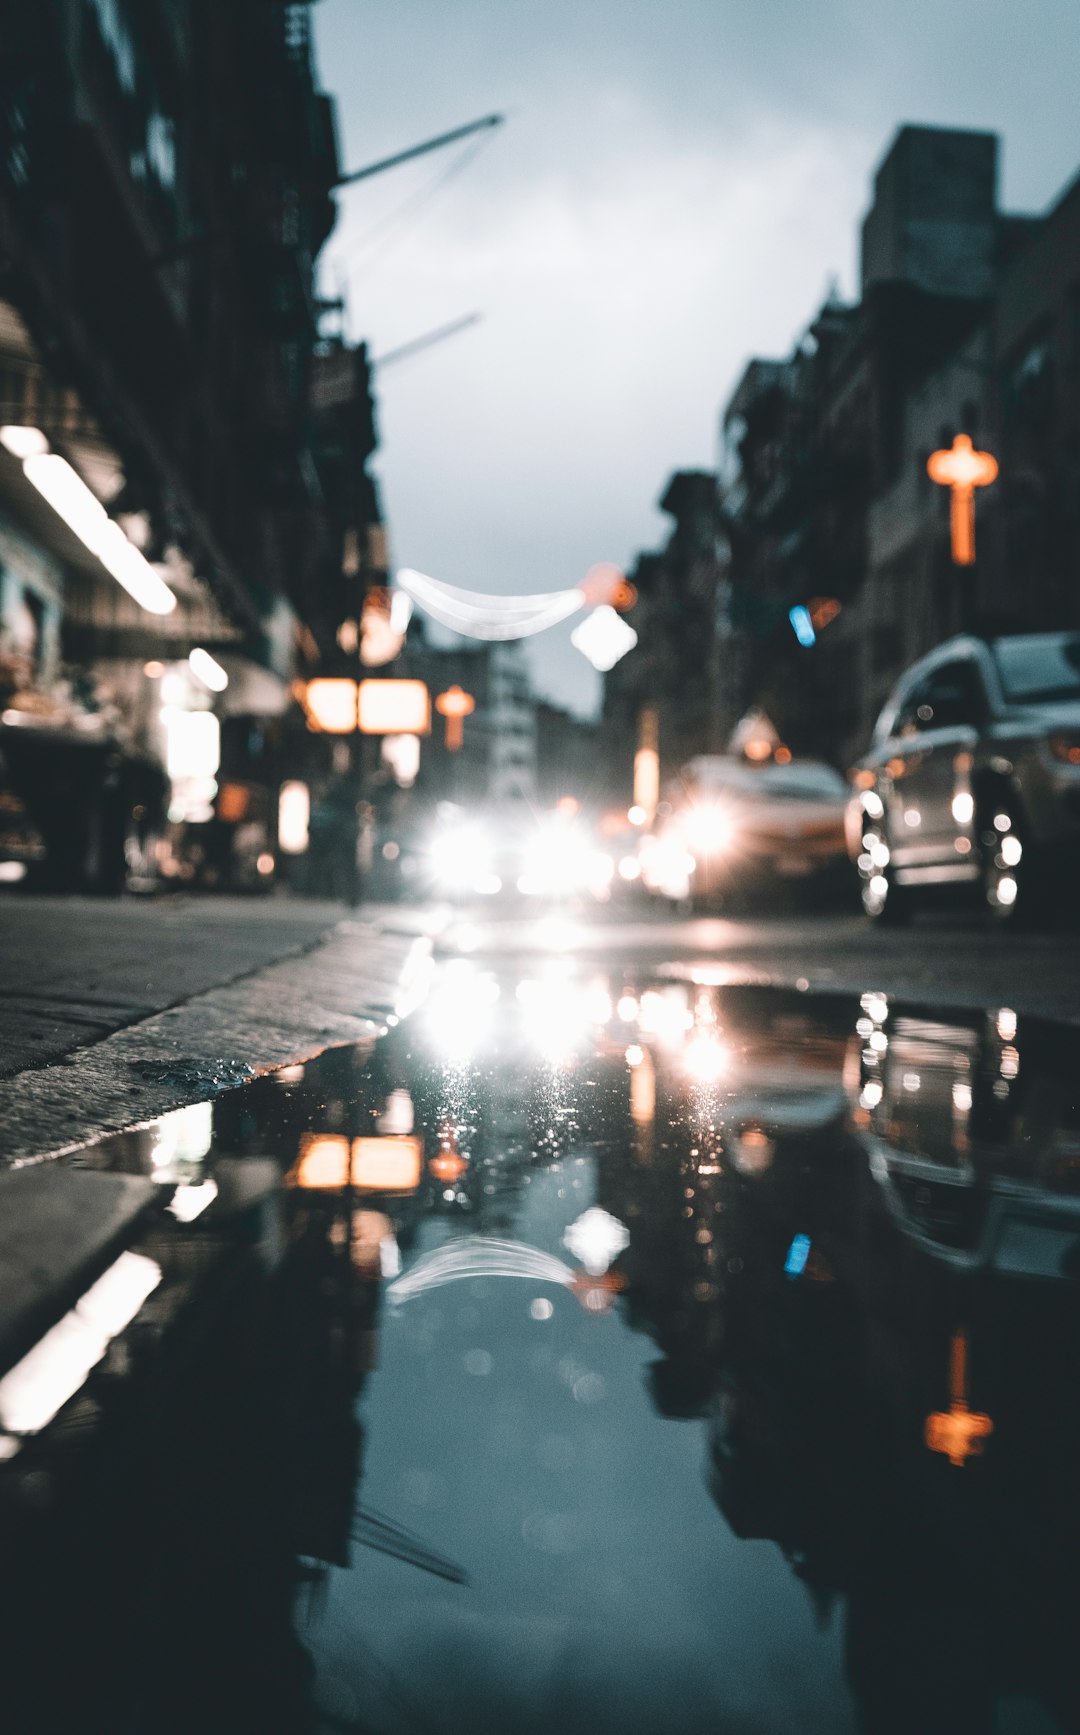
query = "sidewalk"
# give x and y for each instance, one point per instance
(111, 1013)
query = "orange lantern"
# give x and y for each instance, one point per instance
(962, 469)
(455, 705)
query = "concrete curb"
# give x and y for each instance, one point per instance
(342, 990)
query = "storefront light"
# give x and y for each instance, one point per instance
(193, 742)
(294, 817)
(86, 517)
(207, 670)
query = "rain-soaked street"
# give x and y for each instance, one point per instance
(627, 1349)
(539, 864)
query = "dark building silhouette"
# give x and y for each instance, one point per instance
(964, 323)
(566, 756)
(674, 668)
(166, 179)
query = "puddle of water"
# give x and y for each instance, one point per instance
(627, 1352)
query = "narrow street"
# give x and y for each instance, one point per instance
(539, 843)
(639, 1324)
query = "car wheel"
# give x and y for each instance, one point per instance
(1006, 876)
(887, 904)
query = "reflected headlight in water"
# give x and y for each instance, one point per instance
(667, 866)
(458, 1014)
(706, 1058)
(557, 1012)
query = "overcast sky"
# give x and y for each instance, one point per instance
(676, 184)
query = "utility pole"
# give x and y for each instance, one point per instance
(425, 341)
(406, 156)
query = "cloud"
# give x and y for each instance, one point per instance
(670, 196)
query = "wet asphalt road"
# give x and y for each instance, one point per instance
(693, 1349)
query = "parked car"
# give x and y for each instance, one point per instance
(734, 828)
(973, 779)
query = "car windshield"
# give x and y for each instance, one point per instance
(1039, 666)
(808, 781)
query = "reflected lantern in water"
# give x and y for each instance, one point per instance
(958, 1432)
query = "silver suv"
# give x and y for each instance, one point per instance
(973, 778)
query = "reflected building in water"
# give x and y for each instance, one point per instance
(866, 1285)
(850, 1228)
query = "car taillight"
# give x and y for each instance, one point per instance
(1066, 748)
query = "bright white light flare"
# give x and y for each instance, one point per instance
(206, 669)
(474, 1256)
(460, 856)
(83, 513)
(603, 637)
(294, 818)
(61, 1362)
(708, 829)
(596, 1238)
(480, 616)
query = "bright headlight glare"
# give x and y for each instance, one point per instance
(460, 856)
(708, 828)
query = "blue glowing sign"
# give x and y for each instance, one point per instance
(802, 625)
(798, 1254)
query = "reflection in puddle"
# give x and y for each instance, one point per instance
(581, 1292)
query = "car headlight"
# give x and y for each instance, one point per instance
(709, 829)
(667, 867)
(461, 856)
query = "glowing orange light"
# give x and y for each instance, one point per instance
(647, 767)
(455, 705)
(758, 749)
(387, 1165)
(394, 708)
(603, 584)
(233, 802)
(448, 1166)
(596, 1294)
(962, 469)
(958, 1432)
(783, 755)
(323, 1163)
(330, 706)
(822, 610)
